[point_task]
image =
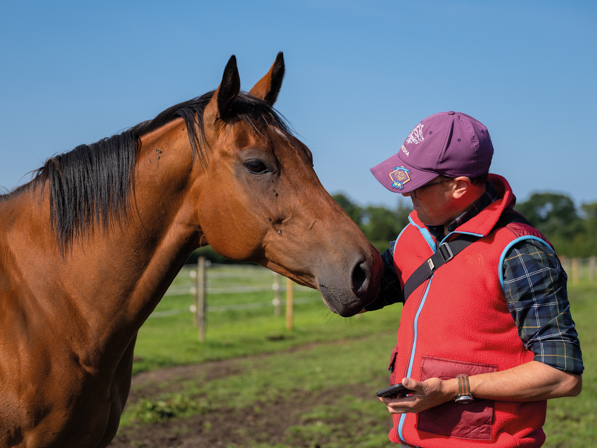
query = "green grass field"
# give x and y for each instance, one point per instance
(353, 367)
(173, 340)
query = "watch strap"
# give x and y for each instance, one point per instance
(464, 389)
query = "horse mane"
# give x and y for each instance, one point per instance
(95, 183)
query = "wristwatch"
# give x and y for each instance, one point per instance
(464, 390)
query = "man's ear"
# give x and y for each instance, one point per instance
(462, 187)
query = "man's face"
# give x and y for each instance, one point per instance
(434, 204)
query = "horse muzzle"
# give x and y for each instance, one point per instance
(348, 291)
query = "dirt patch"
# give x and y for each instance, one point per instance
(270, 423)
(148, 384)
(169, 380)
(266, 423)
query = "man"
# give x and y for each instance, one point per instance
(485, 335)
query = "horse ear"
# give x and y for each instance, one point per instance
(227, 91)
(268, 87)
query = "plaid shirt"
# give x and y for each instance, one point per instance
(534, 287)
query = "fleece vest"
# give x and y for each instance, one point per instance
(458, 322)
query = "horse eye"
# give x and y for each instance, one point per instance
(256, 166)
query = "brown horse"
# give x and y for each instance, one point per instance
(90, 245)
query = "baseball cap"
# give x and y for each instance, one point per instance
(449, 144)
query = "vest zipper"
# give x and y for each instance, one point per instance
(412, 353)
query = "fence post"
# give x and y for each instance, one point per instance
(575, 270)
(592, 263)
(289, 304)
(277, 299)
(201, 296)
(565, 264)
(194, 293)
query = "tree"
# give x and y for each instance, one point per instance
(353, 210)
(380, 224)
(586, 241)
(553, 214)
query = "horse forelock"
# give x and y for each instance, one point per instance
(94, 183)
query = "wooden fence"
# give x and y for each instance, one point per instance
(579, 269)
(203, 280)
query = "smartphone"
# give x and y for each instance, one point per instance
(395, 391)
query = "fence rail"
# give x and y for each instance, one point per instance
(214, 280)
(210, 280)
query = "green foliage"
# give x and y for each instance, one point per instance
(572, 233)
(553, 214)
(351, 208)
(380, 224)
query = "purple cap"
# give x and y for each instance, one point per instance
(450, 144)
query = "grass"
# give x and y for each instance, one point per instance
(572, 422)
(173, 340)
(359, 362)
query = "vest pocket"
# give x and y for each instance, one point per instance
(471, 421)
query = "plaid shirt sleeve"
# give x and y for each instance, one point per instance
(535, 289)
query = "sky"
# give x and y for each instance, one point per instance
(359, 76)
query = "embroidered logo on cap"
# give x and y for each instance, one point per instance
(399, 177)
(416, 135)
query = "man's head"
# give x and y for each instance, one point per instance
(442, 165)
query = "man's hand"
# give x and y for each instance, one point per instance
(532, 381)
(426, 394)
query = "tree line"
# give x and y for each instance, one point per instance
(572, 230)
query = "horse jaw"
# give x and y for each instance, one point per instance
(346, 286)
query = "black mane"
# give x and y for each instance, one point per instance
(94, 183)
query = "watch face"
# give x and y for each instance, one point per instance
(464, 399)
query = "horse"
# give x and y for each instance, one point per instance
(90, 245)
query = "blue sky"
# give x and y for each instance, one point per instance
(359, 76)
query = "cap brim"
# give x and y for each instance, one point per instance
(399, 177)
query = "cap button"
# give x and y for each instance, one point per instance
(451, 112)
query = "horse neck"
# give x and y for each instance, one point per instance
(150, 248)
(114, 278)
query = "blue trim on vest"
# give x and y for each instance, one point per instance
(425, 233)
(399, 235)
(412, 352)
(480, 235)
(512, 243)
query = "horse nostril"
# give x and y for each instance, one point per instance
(360, 274)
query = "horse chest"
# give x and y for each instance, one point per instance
(64, 408)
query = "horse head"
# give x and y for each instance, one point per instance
(258, 198)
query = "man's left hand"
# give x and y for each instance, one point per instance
(426, 394)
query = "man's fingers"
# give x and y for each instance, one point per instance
(413, 385)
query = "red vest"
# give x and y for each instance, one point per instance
(458, 322)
